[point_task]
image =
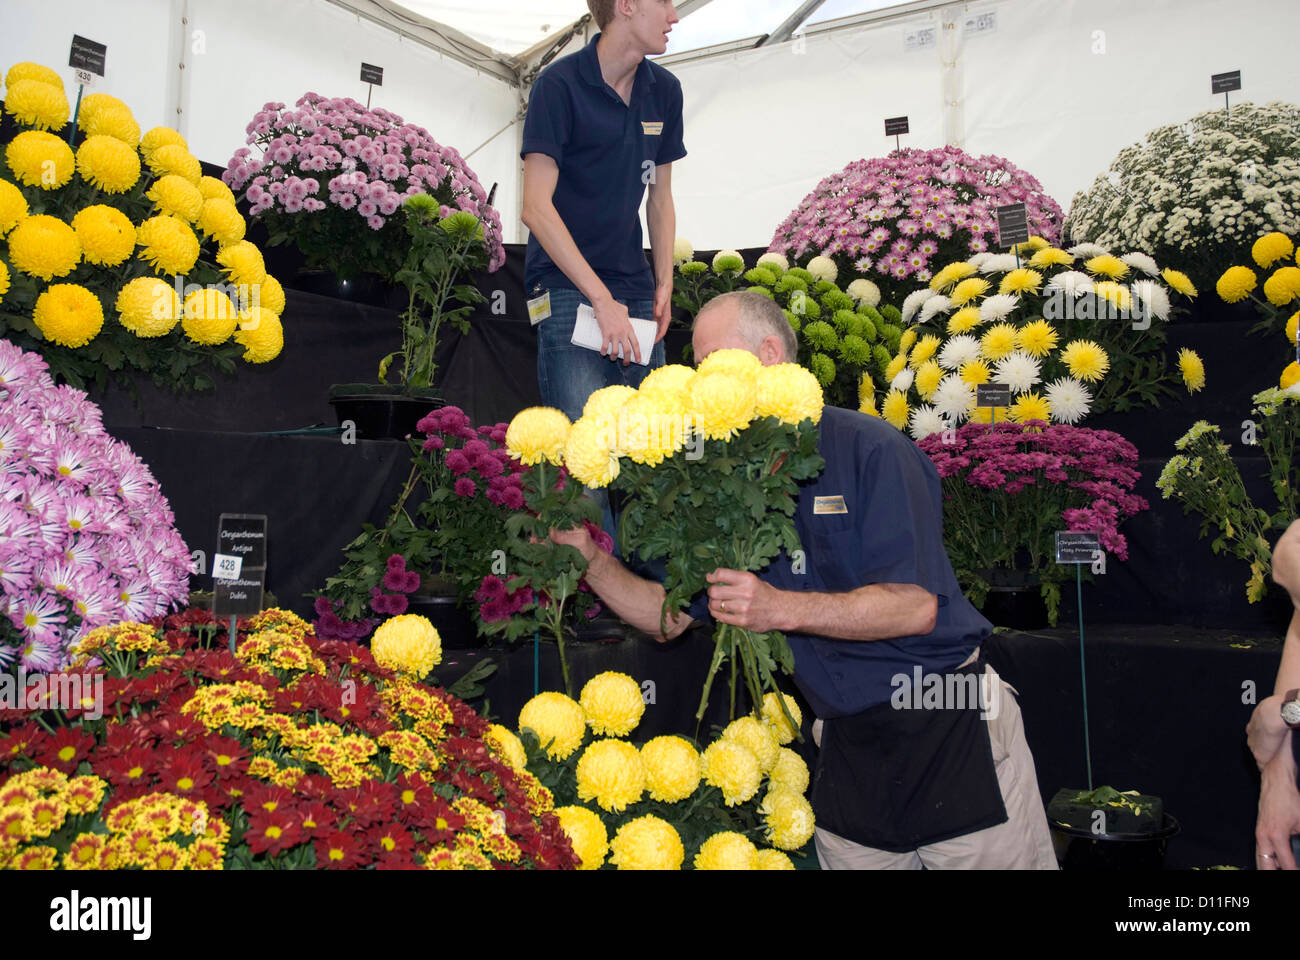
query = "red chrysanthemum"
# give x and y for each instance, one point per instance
(65, 748)
(273, 833)
(339, 851)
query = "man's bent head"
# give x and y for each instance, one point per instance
(744, 320)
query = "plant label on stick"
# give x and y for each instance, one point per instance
(993, 395)
(894, 127)
(88, 57)
(372, 74)
(1225, 82)
(1077, 548)
(1013, 225)
(241, 537)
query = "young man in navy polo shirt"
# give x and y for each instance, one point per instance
(603, 124)
(904, 779)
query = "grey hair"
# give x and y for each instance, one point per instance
(759, 318)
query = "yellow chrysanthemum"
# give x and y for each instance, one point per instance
(270, 295)
(177, 197)
(537, 434)
(1271, 248)
(757, 736)
(169, 244)
(1283, 286)
(672, 380)
(647, 843)
(740, 362)
(110, 120)
(108, 163)
(950, 274)
(208, 316)
(45, 247)
(160, 137)
(1291, 328)
(1021, 280)
(1192, 369)
(998, 341)
(177, 159)
(590, 451)
(1115, 293)
(789, 772)
(968, 290)
(869, 408)
(40, 159)
(107, 235)
(896, 366)
(1290, 376)
(1030, 406)
(1236, 284)
(92, 104)
(587, 834)
(611, 773)
(775, 717)
(896, 409)
(790, 393)
(558, 722)
(1106, 265)
(672, 768)
(607, 401)
(964, 320)
(507, 746)
(650, 428)
(33, 71)
(774, 860)
(214, 189)
(408, 644)
(34, 103)
(13, 206)
(148, 307)
(928, 376)
(866, 387)
(1179, 282)
(924, 351)
(261, 335)
(613, 704)
(242, 262)
(1086, 360)
(733, 769)
(1037, 339)
(907, 339)
(1050, 257)
(722, 403)
(727, 850)
(975, 372)
(4, 279)
(68, 314)
(789, 819)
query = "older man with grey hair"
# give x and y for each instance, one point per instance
(873, 613)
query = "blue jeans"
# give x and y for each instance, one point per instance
(567, 374)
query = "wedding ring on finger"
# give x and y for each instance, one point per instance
(722, 605)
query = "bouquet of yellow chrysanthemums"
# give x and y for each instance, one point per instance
(665, 804)
(1281, 288)
(119, 254)
(1069, 331)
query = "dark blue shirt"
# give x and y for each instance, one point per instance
(606, 151)
(892, 532)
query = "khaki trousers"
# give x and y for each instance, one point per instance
(1024, 842)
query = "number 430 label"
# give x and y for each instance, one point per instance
(226, 567)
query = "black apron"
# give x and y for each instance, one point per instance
(897, 780)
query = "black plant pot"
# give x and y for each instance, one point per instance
(381, 412)
(1078, 848)
(1017, 608)
(454, 625)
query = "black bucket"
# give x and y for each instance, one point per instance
(455, 626)
(1078, 848)
(380, 416)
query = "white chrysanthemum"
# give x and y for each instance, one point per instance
(954, 398)
(926, 420)
(823, 268)
(902, 382)
(996, 308)
(978, 259)
(998, 263)
(864, 291)
(914, 301)
(1018, 370)
(958, 350)
(933, 306)
(682, 251)
(776, 260)
(1154, 296)
(1140, 261)
(1070, 400)
(1073, 282)
(1086, 251)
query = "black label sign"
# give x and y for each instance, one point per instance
(237, 598)
(1225, 82)
(372, 74)
(895, 126)
(1013, 224)
(88, 55)
(1077, 547)
(993, 395)
(243, 535)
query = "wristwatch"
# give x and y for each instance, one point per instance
(1291, 708)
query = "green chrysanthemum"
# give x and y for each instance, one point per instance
(823, 368)
(821, 335)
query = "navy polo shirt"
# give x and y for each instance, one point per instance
(892, 533)
(605, 150)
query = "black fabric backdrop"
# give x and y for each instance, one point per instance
(1167, 700)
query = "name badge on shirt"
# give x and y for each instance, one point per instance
(539, 308)
(652, 129)
(822, 505)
